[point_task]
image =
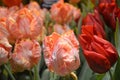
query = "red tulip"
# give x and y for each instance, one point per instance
(106, 1)
(26, 55)
(100, 54)
(108, 9)
(10, 3)
(93, 24)
(61, 52)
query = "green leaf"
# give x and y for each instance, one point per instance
(100, 76)
(86, 72)
(46, 75)
(117, 71)
(117, 36)
(118, 2)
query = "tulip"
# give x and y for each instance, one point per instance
(108, 10)
(10, 3)
(93, 21)
(63, 13)
(23, 24)
(100, 54)
(61, 52)
(26, 55)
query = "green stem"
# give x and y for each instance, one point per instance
(9, 72)
(31, 76)
(111, 75)
(36, 73)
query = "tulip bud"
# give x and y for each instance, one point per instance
(61, 53)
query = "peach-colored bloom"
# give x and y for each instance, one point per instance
(35, 9)
(23, 25)
(26, 55)
(63, 12)
(61, 52)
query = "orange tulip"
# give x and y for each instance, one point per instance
(23, 24)
(26, 55)
(61, 52)
(63, 12)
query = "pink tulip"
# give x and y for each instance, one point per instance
(61, 52)
(26, 55)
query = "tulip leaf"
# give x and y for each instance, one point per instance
(118, 2)
(99, 77)
(85, 73)
(117, 71)
(45, 75)
(117, 36)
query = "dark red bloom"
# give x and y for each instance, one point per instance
(108, 9)
(10, 3)
(106, 1)
(100, 54)
(93, 24)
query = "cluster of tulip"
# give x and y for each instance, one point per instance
(28, 31)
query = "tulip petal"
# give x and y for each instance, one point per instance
(112, 53)
(97, 62)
